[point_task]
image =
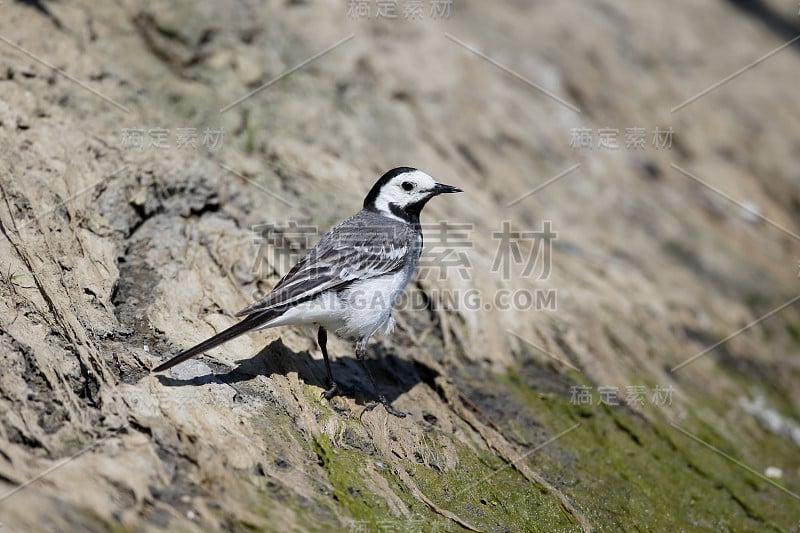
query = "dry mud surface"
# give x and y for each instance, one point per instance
(114, 256)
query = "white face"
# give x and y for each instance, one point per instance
(405, 189)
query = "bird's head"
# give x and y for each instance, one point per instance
(403, 192)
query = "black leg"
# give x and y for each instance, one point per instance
(361, 353)
(322, 340)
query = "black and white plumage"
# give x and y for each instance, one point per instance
(349, 282)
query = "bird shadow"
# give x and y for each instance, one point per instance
(393, 375)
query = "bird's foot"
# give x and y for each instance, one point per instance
(386, 405)
(330, 393)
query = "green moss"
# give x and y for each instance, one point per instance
(490, 494)
(91, 521)
(346, 470)
(344, 474)
(794, 332)
(630, 473)
(624, 471)
(482, 489)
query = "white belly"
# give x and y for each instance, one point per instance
(370, 303)
(354, 313)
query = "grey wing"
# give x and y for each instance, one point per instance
(342, 256)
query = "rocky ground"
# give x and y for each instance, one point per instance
(655, 384)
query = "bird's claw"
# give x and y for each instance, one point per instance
(386, 405)
(330, 393)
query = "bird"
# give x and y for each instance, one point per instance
(351, 279)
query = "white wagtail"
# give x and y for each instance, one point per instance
(349, 282)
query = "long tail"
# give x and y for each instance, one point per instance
(249, 323)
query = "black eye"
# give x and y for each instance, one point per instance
(408, 186)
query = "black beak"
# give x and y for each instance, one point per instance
(441, 188)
